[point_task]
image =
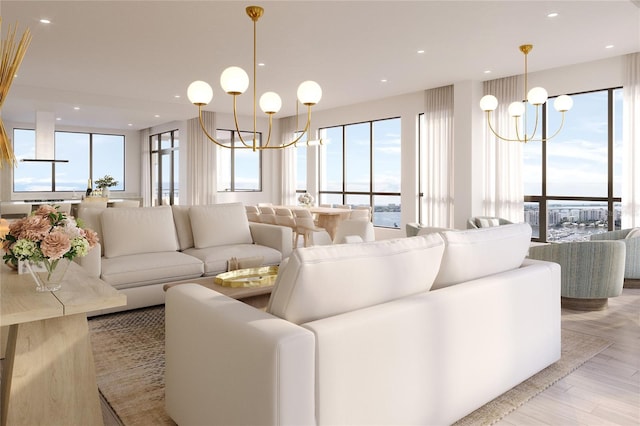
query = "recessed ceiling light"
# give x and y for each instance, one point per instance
(609, 46)
(45, 21)
(261, 64)
(130, 124)
(487, 71)
(552, 15)
(420, 51)
(58, 118)
(176, 96)
(157, 116)
(76, 108)
(384, 80)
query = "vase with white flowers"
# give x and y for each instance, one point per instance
(104, 183)
(46, 241)
(306, 199)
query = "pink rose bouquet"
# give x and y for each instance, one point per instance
(47, 236)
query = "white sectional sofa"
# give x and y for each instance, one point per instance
(420, 330)
(144, 248)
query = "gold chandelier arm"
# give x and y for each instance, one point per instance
(235, 118)
(559, 128)
(496, 133)
(206, 133)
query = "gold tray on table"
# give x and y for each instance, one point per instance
(250, 277)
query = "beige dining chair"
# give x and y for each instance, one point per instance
(267, 214)
(361, 213)
(284, 217)
(306, 227)
(126, 204)
(253, 214)
(15, 210)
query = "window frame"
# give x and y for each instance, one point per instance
(543, 199)
(90, 161)
(234, 138)
(371, 194)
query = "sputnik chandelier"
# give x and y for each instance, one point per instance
(518, 110)
(235, 81)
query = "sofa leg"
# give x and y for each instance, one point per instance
(584, 304)
(631, 283)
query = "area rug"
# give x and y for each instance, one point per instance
(128, 349)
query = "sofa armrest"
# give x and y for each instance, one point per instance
(92, 262)
(274, 236)
(222, 354)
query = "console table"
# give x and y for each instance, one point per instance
(48, 374)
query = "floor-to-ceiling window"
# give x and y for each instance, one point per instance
(360, 166)
(238, 168)
(301, 165)
(164, 148)
(573, 181)
(89, 156)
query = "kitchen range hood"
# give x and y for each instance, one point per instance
(45, 131)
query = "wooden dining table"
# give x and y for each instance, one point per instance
(327, 217)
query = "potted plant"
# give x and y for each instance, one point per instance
(104, 183)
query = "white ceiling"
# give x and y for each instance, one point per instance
(123, 62)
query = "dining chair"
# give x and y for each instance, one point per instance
(253, 213)
(15, 210)
(284, 217)
(307, 227)
(354, 231)
(267, 215)
(361, 213)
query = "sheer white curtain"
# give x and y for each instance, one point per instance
(437, 158)
(201, 161)
(631, 142)
(145, 167)
(288, 128)
(503, 187)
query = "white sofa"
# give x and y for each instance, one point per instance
(419, 330)
(144, 248)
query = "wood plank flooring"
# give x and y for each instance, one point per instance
(606, 389)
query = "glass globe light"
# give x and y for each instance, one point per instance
(199, 93)
(563, 103)
(489, 103)
(516, 109)
(270, 103)
(537, 96)
(309, 92)
(234, 80)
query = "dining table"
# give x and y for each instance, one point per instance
(327, 217)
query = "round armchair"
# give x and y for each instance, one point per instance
(591, 271)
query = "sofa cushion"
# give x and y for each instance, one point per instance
(475, 253)
(138, 230)
(322, 281)
(216, 258)
(149, 268)
(634, 233)
(219, 225)
(91, 218)
(183, 226)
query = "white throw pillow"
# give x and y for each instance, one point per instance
(322, 281)
(137, 231)
(634, 233)
(476, 253)
(219, 225)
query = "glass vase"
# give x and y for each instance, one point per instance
(48, 274)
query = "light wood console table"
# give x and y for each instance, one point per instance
(48, 373)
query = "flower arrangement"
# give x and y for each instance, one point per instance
(306, 199)
(46, 236)
(106, 181)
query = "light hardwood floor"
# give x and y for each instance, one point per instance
(603, 391)
(606, 389)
